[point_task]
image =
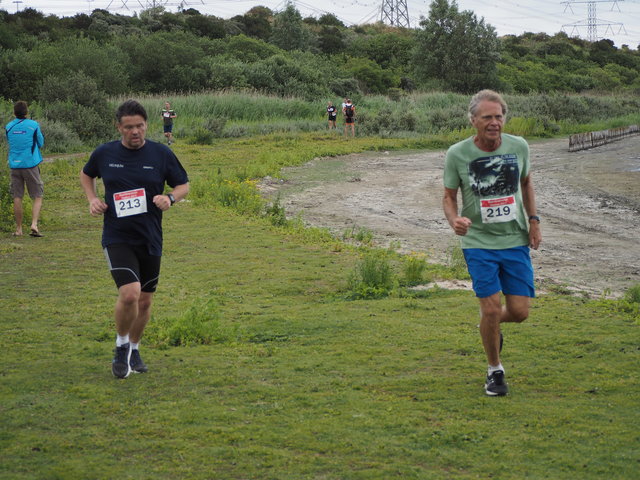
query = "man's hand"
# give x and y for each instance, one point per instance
(535, 236)
(162, 202)
(461, 225)
(97, 207)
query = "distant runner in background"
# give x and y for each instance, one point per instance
(498, 223)
(332, 111)
(349, 112)
(167, 117)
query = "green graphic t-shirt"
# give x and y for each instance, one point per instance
(491, 193)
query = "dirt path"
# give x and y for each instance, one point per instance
(589, 202)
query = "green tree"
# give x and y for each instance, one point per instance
(290, 32)
(330, 40)
(160, 61)
(250, 49)
(206, 25)
(257, 22)
(330, 19)
(370, 76)
(389, 49)
(457, 49)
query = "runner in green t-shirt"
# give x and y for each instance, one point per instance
(498, 222)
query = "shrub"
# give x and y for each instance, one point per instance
(372, 276)
(345, 87)
(632, 295)
(215, 125)
(59, 138)
(77, 102)
(275, 213)
(201, 136)
(199, 325)
(239, 195)
(362, 235)
(413, 267)
(395, 94)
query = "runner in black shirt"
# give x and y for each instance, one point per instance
(332, 111)
(134, 172)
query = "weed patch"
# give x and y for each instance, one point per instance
(372, 276)
(413, 269)
(200, 324)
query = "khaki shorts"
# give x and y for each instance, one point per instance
(28, 176)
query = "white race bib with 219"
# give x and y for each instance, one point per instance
(498, 210)
(131, 202)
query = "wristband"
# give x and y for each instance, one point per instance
(534, 217)
(172, 199)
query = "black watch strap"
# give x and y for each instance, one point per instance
(172, 199)
(534, 217)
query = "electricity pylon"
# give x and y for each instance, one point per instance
(592, 22)
(395, 12)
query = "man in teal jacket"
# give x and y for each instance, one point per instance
(25, 141)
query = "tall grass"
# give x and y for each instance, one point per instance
(243, 114)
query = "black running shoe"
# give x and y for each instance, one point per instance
(136, 363)
(120, 364)
(496, 386)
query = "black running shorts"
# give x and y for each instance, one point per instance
(131, 264)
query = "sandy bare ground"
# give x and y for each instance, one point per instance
(589, 202)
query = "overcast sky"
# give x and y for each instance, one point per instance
(617, 20)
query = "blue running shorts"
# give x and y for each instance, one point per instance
(509, 270)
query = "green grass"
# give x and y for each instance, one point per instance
(295, 381)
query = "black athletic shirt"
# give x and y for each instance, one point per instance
(122, 169)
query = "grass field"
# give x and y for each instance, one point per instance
(294, 381)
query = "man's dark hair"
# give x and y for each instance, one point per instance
(130, 108)
(20, 109)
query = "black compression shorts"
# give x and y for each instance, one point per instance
(131, 264)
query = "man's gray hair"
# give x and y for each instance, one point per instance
(489, 96)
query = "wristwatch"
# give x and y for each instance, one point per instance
(534, 217)
(172, 199)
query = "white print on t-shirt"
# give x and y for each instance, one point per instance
(498, 210)
(131, 202)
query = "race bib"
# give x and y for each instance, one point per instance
(166, 114)
(498, 210)
(131, 202)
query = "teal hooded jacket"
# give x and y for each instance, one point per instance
(25, 141)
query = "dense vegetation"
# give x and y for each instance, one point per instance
(285, 54)
(71, 69)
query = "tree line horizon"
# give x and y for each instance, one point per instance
(284, 54)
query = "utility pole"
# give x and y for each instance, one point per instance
(592, 22)
(17, 2)
(395, 12)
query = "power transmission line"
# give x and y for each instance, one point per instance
(147, 4)
(592, 22)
